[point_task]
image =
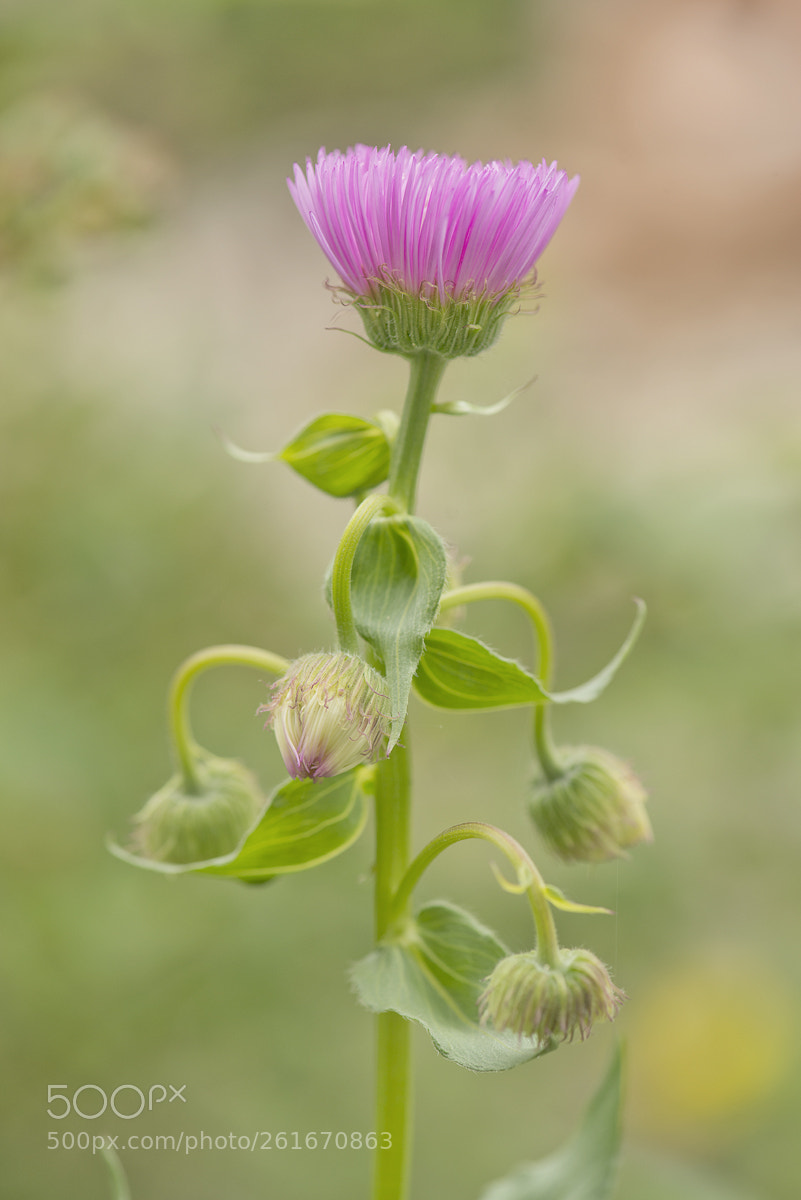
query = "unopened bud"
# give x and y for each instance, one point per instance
(330, 712)
(531, 999)
(181, 827)
(594, 811)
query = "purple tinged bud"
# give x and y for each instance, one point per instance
(594, 811)
(330, 712)
(531, 999)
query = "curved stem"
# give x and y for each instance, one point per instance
(426, 371)
(544, 745)
(203, 660)
(393, 1046)
(547, 941)
(343, 568)
(497, 590)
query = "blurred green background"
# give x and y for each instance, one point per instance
(156, 282)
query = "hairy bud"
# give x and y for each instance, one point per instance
(531, 999)
(594, 811)
(330, 712)
(181, 827)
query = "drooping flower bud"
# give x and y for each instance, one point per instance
(181, 827)
(330, 712)
(595, 810)
(432, 251)
(532, 999)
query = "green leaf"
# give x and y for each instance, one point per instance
(557, 899)
(586, 1166)
(434, 974)
(463, 408)
(246, 456)
(590, 690)
(339, 454)
(307, 821)
(397, 579)
(458, 671)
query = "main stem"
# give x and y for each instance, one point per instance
(426, 371)
(393, 1062)
(393, 1065)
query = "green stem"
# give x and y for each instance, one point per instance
(426, 371)
(547, 941)
(500, 590)
(213, 656)
(393, 1059)
(355, 529)
(119, 1183)
(496, 590)
(552, 767)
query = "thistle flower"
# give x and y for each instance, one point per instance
(594, 811)
(179, 827)
(330, 713)
(432, 251)
(532, 999)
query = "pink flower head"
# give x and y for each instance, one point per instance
(430, 223)
(432, 228)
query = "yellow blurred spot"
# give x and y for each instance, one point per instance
(709, 1039)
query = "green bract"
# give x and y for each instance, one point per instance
(400, 322)
(306, 823)
(433, 972)
(397, 579)
(340, 454)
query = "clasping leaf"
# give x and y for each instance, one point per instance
(306, 822)
(397, 579)
(339, 454)
(434, 973)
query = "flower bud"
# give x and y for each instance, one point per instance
(532, 999)
(330, 712)
(594, 810)
(180, 827)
